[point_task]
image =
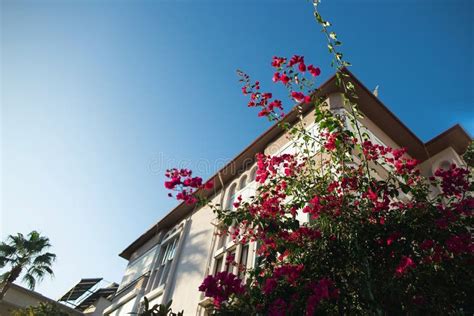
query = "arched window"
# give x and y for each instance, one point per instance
(253, 173)
(230, 197)
(243, 182)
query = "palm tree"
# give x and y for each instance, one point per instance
(25, 255)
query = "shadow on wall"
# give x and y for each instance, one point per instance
(192, 261)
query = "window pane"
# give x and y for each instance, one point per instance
(138, 267)
(165, 254)
(172, 249)
(221, 241)
(166, 270)
(243, 261)
(218, 267)
(230, 266)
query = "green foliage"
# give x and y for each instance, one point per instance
(43, 309)
(469, 155)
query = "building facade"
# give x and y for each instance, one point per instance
(170, 260)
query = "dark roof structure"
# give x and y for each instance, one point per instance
(86, 292)
(79, 289)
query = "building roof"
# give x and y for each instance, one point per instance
(369, 105)
(41, 298)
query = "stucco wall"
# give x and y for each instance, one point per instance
(192, 262)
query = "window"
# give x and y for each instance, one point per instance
(138, 267)
(218, 264)
(221, 241)
(229, 201)
(253, 174)
(240, 253)
(229, 266)
(230, 197)
(242, 182)
(243, 261)
(224, 246)
(164, 259)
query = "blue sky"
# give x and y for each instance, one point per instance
(98, 98)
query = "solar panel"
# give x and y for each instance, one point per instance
(79, 289)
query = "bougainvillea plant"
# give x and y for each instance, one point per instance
(381, 238)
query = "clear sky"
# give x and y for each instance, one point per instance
(98, 98)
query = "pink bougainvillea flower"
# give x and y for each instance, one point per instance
(302, 67)
(277, 62)
(221, 286)
(295, 60)
(285, 79)
(405, 264)
(297, 96)
(209, 185)
(276, 77)
(314, 71)
(372, 195)
(275, 104)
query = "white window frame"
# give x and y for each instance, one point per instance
(136, 261)
(168, 251)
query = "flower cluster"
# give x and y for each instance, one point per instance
(271, 165)
(221, 286)
(454, 181)
(396, 158)
(262, 100)
(301, 236)
(292, 71)
(182, 181)
(405, 264)
(324, 289)
(280, 64)
(288, 73)
(461, 244)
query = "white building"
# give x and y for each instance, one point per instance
(170, 260)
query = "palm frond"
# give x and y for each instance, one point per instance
(45, 269)
(17, 240)
(30, 281)
(36, 243)
(7, 250)
(44, 259)
(4, 261)
(39, 272)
